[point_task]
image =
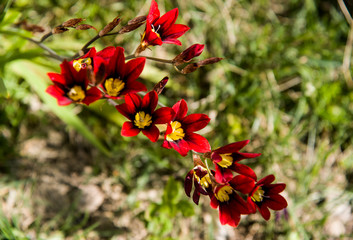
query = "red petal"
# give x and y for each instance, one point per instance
(107, 52)
(251, 205)
(264, 212)
(116, 66)
(166, 144)
(167, 20)
(244, 170)
(92, 95)
(241, 205)
(266, 180)
(180, 109)
(133, 101)
(214, 202)
(124, 110)
(133, 87)
(176, 31)
(188, 182)
(129, 130)
(181, 146)
(276, 202)
(172, 41)
(242, 184)
(275, 188)
(240, 156)
(233, 147)
(153, 13)
(134, 68)
(73, 77)
(152, 133)
(196, 197)
(151, 37)
(195, 122)
(59, 95)
(223, 175)
(163, 115)
(227, 216)
(150, 101)
(197, 143)
(57, 78)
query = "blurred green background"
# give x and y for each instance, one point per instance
(285, 83)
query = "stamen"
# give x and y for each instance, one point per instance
(223, 193)
(113, 86)
(81, 63)
(258, 195)
(142, 120)
(227, 160)
(205, 181)
(177, 132)
(76, 94)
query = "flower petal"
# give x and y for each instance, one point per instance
(223, 175)
(197, 143)
(134, 102)
(196, 121)
(233, 147)
(153, 13)
(264, 212)
(276, 202)
(188, 182)
(129, 130)
(243, 169)
(181, 146)
(266, 180)
(92, 95)
(275, 188)
(180, 109)
(152, 133)
(134, 68)
(163, 115)
(242, 183)
(167, 20)
(149, 101)
(59, 95)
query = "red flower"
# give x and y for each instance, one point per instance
(230, 204)
(226, 160)
(93, 58)
(120, 77)
(266, 195)
(72, 86)
(163, 29)
(142, 115)
(180, 132)
(202, 182)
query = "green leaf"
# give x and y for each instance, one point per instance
(3, 91)
(35, 75)
(171, 192)
(186, 208)
(3, 9)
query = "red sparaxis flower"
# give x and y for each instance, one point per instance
(200, 178)
(162, 29)
(72, 86)
(120, 77)
(265, 195)
(142, 115)
(226, 160)
(230, 204)
(180, 131)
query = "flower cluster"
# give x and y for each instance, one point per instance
(232, 187)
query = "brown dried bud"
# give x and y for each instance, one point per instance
(59, 29)
(190, 68)
(209, 61)
(158, 88)
(30, 27)
(110, 26)
(188, 54)
(133, 24)
(85, 27)
(72, 22)
(96, 78)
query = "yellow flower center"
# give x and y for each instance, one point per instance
(76, 94)
(227, 160)
(142, 120)
(177, 132)
(81, 63)
(205, 181)
(258, 195)
(114, 86)
(223, 193)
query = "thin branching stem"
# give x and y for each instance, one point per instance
(51, 52)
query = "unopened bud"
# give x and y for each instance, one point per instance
(30, 27)
(133, 24)
(72, 22)
(59, 29)
(209, 61)
(110, 26)
(85, 27)
(158, 88)
(188, 54)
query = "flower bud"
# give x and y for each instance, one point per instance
(72, 22)
(160, 86)
(110, 26)
(85, 27)
(133, 24)
(188, 54)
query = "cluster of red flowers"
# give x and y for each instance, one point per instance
(107, 75)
